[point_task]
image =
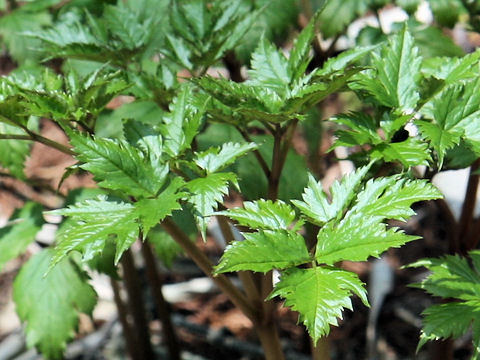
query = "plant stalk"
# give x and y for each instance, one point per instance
(39, 138)
(130, 338)
(136, 305)
(246, 277)
(206, 266)
(468, 209)
(163, 308)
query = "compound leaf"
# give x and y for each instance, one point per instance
(454, 113)
(181, 125)
(451, 277)
(356, 238)
(391, 198)
(300, 53)
(411, 152)
(119, 166)
(216, 159)
(263, 251)
(448, 320)
(319, 294)
(152, 211)
(91, 224)
(262, 214)
(452, 70)
(206, 193)
(269, 68)
(50, 305)
(398, 68)
(315, 205)
(362, 130)
(361, 233)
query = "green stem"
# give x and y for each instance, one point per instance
(38, 138)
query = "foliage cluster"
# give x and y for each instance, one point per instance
(164, 162)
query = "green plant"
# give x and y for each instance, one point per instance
(161, 172)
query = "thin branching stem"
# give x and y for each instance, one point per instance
(224, 283)
(246, 277)
(261, 160)
(162, 306)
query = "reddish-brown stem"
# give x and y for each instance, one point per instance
(468, 208)
(233, 66)
(261, 161)
(136, 305)
(163, 309)
(474, 236)
(451, 223)
(129, 335)
(206, 266)
(246, 277)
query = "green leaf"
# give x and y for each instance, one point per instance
(446, 12)
(181, 125)
(448, 320)
(124, 26)
(216, 159)
(263, 251)
(361, 233)
(411, 152)
(452, 70)
(50, 305)
(206, 193)
(315, 204)
(13, 25)
(21, 230)
(306, 96)
(319, 294)
(13, 153)
(269, 68)
(451, 277)
(432, 41)
(341, 62)
(391, 197)
(145, 137)
(166, 248)
(91, 224)
(398, 70)
(300, 53)
(262, 214)
(356, 238)
(119, 166)
(362, 130)
(410, 6)
(338, 14)
(152, 211)
(455, 114)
